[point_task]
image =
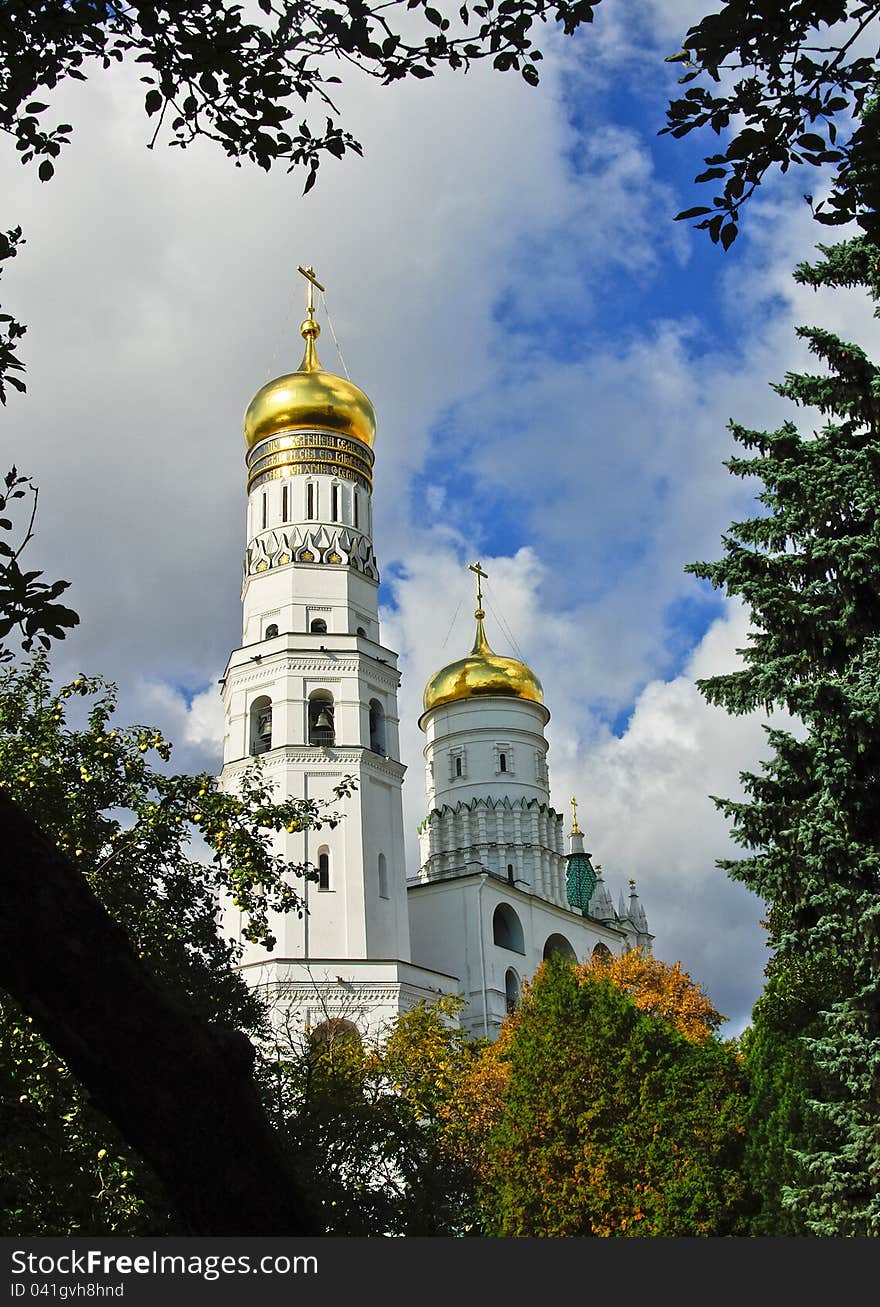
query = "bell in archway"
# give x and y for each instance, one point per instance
(324, 719)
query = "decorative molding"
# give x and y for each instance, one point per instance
(244, 674)
(472, 804)
(329, 545)
(326, 758)
(344, 998)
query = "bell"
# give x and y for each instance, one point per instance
(324, 720)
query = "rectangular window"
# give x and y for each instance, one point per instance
(356, 506)
(334, 504)
(310, 500)
(284, 503)
(264, 510)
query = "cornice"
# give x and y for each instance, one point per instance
(335, 999)
(284, 661)
(331, 761)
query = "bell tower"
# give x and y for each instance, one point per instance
(312, 691)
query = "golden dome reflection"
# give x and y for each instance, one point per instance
(309, 397)
(482, 672)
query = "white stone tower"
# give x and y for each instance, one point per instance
(313, 692)
(496, 892)
(486, 772)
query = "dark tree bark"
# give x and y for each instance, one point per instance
(180, 1089)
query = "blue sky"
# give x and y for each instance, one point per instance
(553, 361)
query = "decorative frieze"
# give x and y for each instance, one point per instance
(333, 546)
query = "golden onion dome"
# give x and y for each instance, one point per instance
(483, 672)
(309, 397)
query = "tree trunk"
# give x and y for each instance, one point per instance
(180, 1089)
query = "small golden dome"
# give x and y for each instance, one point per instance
(482, 672)
(309, 397)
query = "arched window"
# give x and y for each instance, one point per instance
(261, 725)
(318, 626)
(334, 503)
(383, 877)
(377, 727)
(603, 952)
(559, 946)
(510, 875)
(507, 931)
(323, 867)
(512, 989)
(311, 500)
(271, 630)
(502, 762)
(356, 508)
(458, 766)
(321, 725)
(265, 510)
(285, 498)
(332, 1033)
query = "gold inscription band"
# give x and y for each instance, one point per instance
(311, 440)
(292, 458)
(308, 453)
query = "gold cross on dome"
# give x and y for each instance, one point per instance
(477, 569)
(575, 828)
(309, 274)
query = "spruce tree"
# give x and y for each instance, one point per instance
(808, 567)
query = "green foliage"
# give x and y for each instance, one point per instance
(10, 330)
(94, 790)
(99, 798)
(233, 75)
(786, 80)
(783, 1082)
(613, 1122)
(808, 566)
(26, 602)
(367, 1122)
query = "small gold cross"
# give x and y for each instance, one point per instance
(477, 569)
(309, 274)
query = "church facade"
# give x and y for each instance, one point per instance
(312, 692)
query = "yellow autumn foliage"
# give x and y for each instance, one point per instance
(656, 987)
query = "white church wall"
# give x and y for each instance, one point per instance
(451, 925)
